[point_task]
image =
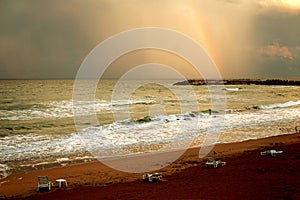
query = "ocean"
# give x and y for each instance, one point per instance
(37, 127)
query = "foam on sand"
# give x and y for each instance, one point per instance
(5, 171)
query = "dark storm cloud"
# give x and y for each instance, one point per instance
(50, 38)
(44, 39)
(276, 37)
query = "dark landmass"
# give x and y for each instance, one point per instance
(239, 82)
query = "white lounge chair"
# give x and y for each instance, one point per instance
(272, 152)
(152, 177)
(211, 162)
(43, 183)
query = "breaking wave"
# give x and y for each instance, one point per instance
(64, 109)
(278, 105)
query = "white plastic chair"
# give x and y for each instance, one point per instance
(43, 183)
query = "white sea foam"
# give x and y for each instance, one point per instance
(165, 129)
(281, 105)
(232, 89)
(62, 159)
(4, 171)
(129, 133)
(22, 147)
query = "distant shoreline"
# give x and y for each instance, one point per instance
(239, 82)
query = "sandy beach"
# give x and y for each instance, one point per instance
(247, 175)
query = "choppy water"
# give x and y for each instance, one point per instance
(37, 126)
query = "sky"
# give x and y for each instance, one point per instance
(50, 39)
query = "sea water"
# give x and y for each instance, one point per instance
(37, 127)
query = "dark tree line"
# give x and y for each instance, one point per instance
(240, 82)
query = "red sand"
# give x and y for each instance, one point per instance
(247, 175)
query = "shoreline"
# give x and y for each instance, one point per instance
(225, 136)
(96, 174)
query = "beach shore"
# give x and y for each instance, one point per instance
(246, 175)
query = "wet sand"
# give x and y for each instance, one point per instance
(247, 175)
